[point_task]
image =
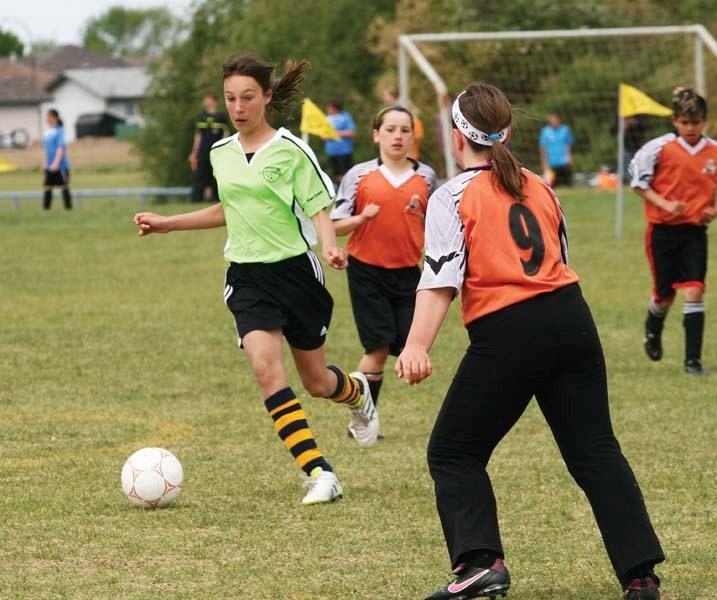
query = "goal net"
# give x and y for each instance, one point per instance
(574, 73)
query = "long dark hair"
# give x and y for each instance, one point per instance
(283, 89)
(487, 109)
(56, 116)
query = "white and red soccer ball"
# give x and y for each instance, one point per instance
(152, 478)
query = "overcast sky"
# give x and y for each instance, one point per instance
(63, 20)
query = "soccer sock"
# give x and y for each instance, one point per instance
(693, 320)
(480, 558)
(67, 199)
(348, 391)
(374, 384)
(290, 423)
(47, 199)
(655, 317)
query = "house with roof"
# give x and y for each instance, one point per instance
(116, 91)
(22, 93)
(73, 80)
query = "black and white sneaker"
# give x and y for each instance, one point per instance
(475, 582)
(364, 424)
(694, 367)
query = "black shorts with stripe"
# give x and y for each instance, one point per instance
(677, 256)
(57, 178)
(289, 295)
(383, 301)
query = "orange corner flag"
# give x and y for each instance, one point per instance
(314, 122)
(634, 102)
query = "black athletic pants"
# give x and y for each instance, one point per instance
(204, 178)
(547, 347)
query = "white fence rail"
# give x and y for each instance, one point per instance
(79, 194)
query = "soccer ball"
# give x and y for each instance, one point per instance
(152, 478)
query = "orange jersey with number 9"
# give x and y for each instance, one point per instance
(515, 250)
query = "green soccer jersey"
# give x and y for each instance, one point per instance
(269, 201)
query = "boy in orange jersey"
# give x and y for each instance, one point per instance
(382, 204)
(676, 176)
(496, 233)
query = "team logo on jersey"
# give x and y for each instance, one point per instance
(414, 203)
(710, 167)
(271, 174)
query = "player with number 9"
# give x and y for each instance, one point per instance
(496, 232)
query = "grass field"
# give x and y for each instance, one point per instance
(109, 343)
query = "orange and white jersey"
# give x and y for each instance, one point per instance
(394, 238)
(676, 171)
(496, 250)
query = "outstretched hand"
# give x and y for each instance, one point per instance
(673, 206)
(413, 365)
(370, 211)
(335, 257)
(708, 214)
(150, 223)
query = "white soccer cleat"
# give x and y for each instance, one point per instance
(364, 423)
(324, 487)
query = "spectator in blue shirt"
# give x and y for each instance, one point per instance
(56, 167)
(556, 141)
(340, 152)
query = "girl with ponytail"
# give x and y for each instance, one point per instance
(496, 234)
(55, 166)
(274, 198)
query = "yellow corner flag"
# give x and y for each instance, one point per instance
(314, 122)
(634, 102)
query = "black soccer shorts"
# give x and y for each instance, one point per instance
(287, 295)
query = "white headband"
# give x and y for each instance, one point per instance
(476, 135)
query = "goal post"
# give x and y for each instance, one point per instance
(574, 72)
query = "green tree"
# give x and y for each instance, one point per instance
(330, 35)
(10, 44)
(128, 32)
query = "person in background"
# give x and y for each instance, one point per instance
(676, 176)
(381, 204)
(56, 165)
(389, 96)
(340, 152)
(633, 130)
(211, 127)
(556, 141)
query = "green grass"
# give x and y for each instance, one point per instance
(106, 177)
(109, 343)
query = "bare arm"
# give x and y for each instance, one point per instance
(349, 224)
(543, 159)
(205, 218)
(57, 158)
(709, 213)
(333, 255)
(671, 206)
(414, 364)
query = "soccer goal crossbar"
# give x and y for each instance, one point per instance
(409, 53)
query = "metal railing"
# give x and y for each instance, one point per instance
(79, 194)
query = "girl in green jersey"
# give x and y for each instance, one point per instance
(274, 198)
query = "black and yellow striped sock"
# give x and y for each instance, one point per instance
(290, 423)
(348, 390)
